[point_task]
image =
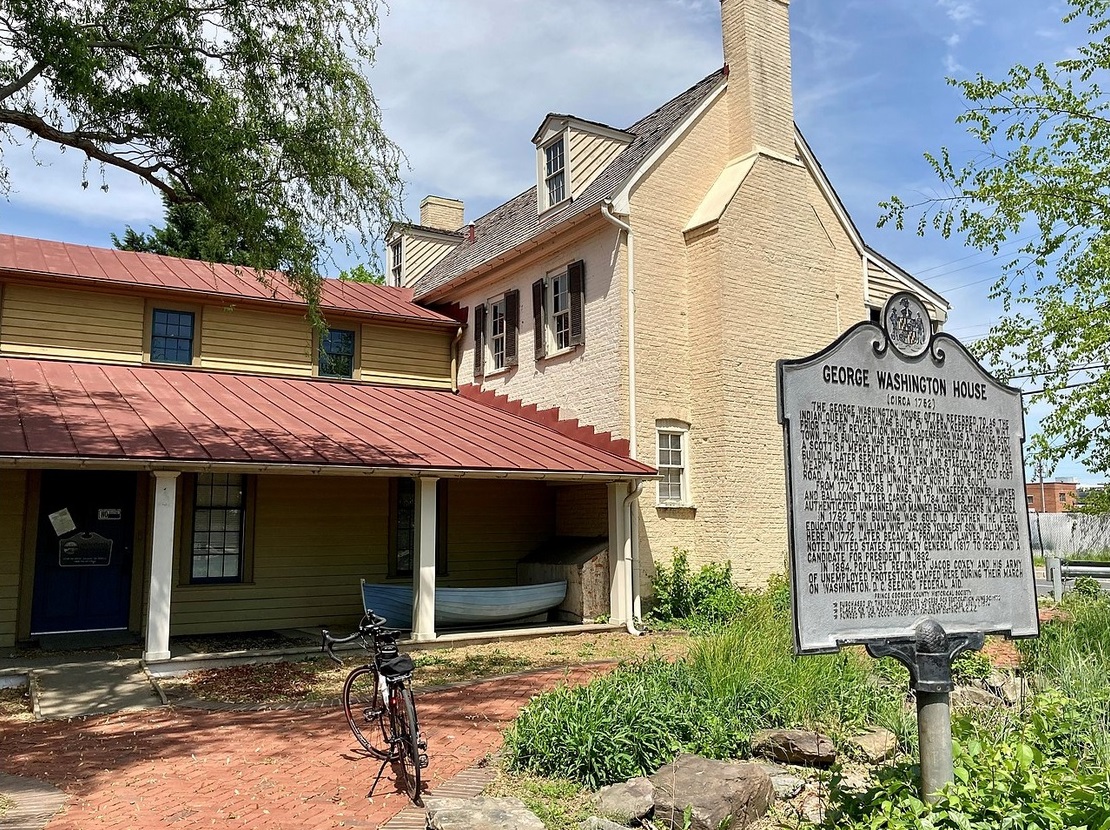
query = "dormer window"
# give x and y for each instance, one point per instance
(555, 168)
(395, 261)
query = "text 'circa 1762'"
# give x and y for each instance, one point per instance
(906, 494)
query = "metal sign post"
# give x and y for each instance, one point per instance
(906, 503)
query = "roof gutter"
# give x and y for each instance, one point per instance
(32, 462)
(455, 360)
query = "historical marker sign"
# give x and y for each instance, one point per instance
(906, 488)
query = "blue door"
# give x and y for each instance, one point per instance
(86, 529)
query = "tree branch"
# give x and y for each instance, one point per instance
(37, 126)
(22, 81)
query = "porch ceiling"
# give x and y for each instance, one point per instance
(62, 412)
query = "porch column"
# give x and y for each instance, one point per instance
(424, 568)
(619, 553)
(161, 566)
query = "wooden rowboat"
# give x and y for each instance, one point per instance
(464, 606)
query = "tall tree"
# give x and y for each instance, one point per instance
(191, 233)
(260, 112)
(1043, 173)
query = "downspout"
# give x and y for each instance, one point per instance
(633, 559)
(455, 360)
(632, 546)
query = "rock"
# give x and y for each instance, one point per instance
(971, 696)
(713, 790)
(875, 745)
(627, 802)
(1009, 687)
(795, 746)
(595, 823)
(810, 807)
(785, 785)
(480, 814)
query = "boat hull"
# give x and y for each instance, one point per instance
(464, 606)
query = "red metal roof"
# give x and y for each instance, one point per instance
(96, 412)
(82, 263)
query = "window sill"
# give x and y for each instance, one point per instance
(561, 352)
(675, 505)
(552, 210)
(496, 373)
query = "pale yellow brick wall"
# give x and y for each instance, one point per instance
(778, 277)
(588, 383)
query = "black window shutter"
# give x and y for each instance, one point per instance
(479, 339)
(539, 318)
(576, 280)
(512, 324)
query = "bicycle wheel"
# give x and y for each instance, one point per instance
(365, 711)
(407, 735)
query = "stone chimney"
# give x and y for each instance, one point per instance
(441, 213)
(757, 53)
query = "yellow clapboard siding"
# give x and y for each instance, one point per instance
(314, 538)
(255, 341)
(62, 323)
(13, 489)
(396, 354)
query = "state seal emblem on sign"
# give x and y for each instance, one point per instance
(907, 325)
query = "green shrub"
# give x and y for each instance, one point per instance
(1018, 777)
(740, 679)
(705, 599)
(971, 665)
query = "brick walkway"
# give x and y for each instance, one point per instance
(279, 769)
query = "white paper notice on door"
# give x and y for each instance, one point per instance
(62, 522)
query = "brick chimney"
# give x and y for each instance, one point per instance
(441, 213)
(757, 52)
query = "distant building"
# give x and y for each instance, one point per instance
(1057, 496)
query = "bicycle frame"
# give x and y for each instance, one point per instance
(392, 695)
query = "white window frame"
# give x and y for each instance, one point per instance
(672, 430)
(553, 317)
(396, 260)
(548, 176)
(496, 360)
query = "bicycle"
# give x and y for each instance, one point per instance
(377, 700)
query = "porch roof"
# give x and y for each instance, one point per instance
(56, 413)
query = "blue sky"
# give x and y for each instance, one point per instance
(464, 85)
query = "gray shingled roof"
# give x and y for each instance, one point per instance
(516, 221)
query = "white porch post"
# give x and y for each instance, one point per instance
(424, 568)
(161, 566)
(619, 540)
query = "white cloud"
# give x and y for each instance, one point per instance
(959, 11)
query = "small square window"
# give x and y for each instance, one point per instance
(171, 339)
(337, 354)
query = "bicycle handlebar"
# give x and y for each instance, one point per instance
(371, 625)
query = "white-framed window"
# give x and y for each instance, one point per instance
(673, 462)
(559, 296)
(496, 323)
(497, 334)
(396, 261)
(555, 171)
(558, 301)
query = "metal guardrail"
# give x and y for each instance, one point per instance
(1061, 569)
